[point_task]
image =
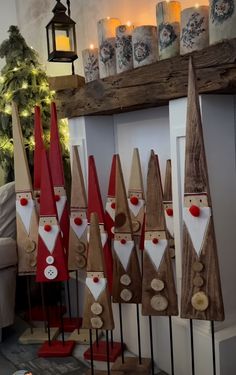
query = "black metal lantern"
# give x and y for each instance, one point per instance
(61, 38)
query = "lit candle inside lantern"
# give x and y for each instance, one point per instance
(194, 29)
(62, 43)
(168, 24)
(106, 40)
(91, 46)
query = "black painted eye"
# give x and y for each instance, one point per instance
(201, 200)
(190, 200)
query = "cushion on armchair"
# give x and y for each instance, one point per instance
(8, 210)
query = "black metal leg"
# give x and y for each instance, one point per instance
(192, 346)
(108, 354)
(77, 298)
(48, 319)
(171, 347)
(43, 305)
(61, 315)
(139, 335)
(151, 345)
(68, 296)
(91, 350)
(213, 347)
(29, 304)
(121, 334)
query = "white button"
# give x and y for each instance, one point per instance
(49, 260)
(50, 272)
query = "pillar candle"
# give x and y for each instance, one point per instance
(144, 41)
(124, 51)
(90, 63)
(222, 20)
(106, 41)
(194, 29)
(168, 25)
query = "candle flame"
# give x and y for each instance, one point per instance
(128, 23)
(196, 5)
(91, 46)
(108, 18)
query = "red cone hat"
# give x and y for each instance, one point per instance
(39, 146)
(94, 195)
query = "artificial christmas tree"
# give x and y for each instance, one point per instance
(23, 81)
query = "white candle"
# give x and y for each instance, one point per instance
(194, 29)
(144, 41)
(106, 40)
(168, 24)
(124, 51)
(222, 20)
(90, 63)
(62, 43)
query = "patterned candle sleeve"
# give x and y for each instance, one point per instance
(168, 25)
(144, 43)
(222, 20)
(194, 29)
(106, 40)
(90, 62)
(124, 52)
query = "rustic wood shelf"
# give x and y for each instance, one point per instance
(153, 85)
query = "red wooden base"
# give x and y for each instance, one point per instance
(70, 324)
(100, 351)
(56, 349)
(37, 313)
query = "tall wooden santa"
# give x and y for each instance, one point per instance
(78, 217)
(26, 213)
(201, 287)
(158, 293)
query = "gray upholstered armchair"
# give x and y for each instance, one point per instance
(8, 254)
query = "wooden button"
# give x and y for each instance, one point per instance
(126, 295)
(33, 262)
(125, 280)
(81, 261)
(120, 220)
(96, 308)
(81, 248)
(96, 323)
(30, 246)
(172, 252)
(159, 302)
(136, 225)
(198, 266)
(200, 301)
(198, 281)
(157, 285)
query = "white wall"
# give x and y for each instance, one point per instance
(7, 18)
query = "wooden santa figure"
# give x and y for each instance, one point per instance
(97, 302)
(158, 293)
(26, 213)
(78, 217)
(126, 286)
(168, 207)
(51, 260)
(201, 287)
(58, 180)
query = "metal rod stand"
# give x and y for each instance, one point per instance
(171, 347)
(61, 316)
(68, 296)
(139, 335)
(108, 356)
(91, 350)
(121, 334)
(192, 346)
(213, 347)
(77, 298)
(43, 306)
(151, 344)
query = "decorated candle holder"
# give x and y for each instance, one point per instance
(194, 29)
(168, 25)
(222, 20)
(106, 39)
(144, 41)
(124, 50)
(90, 63)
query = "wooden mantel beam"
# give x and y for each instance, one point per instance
(153, 85)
